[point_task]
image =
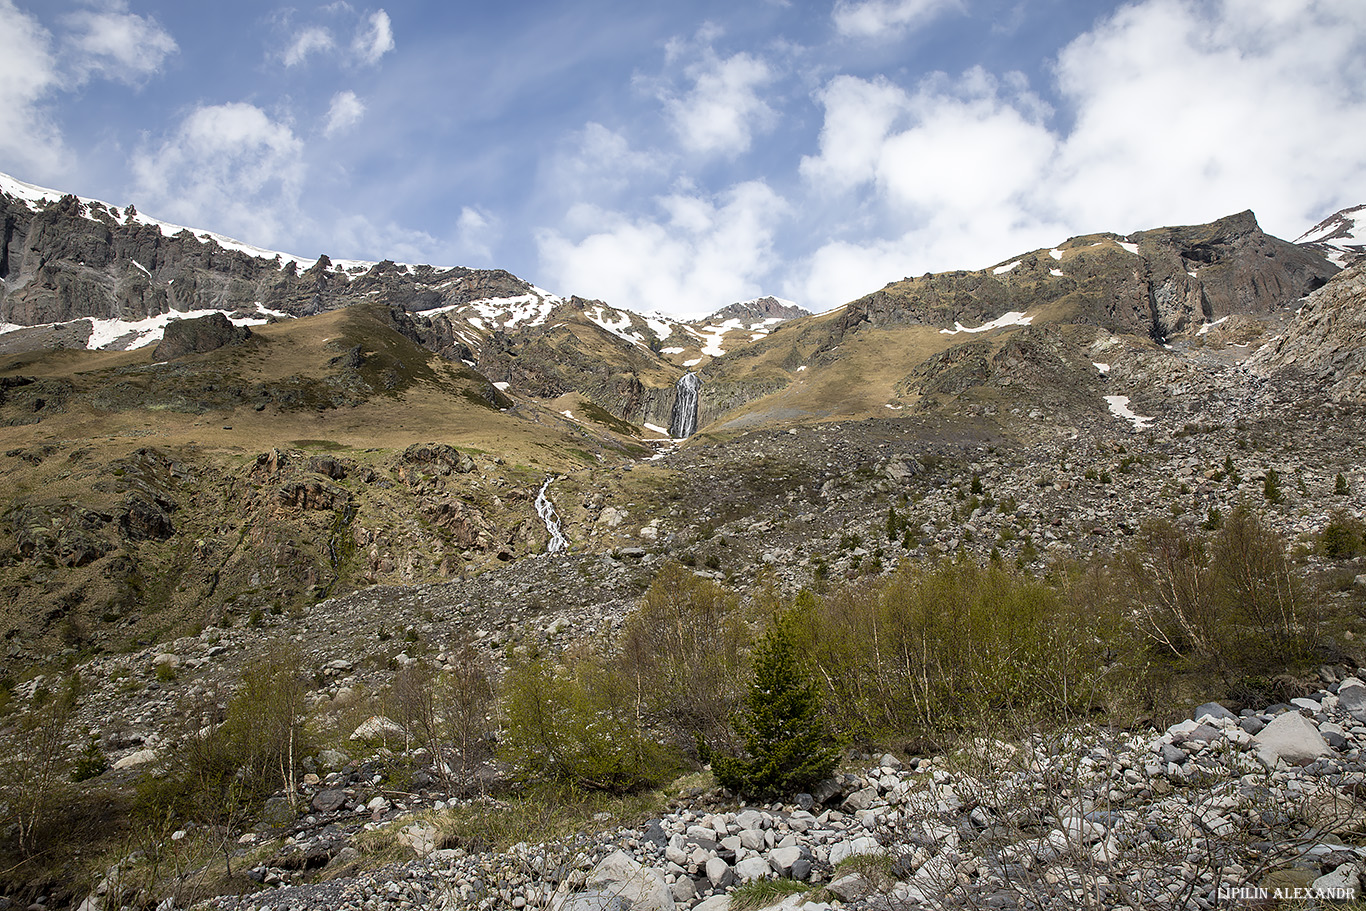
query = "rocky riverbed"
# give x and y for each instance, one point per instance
(1184, 817)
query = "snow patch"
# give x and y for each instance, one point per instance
(1119, 407)
(672, 350)
(1103, 368)
(1132, 248)
(1001, 270)
(801, 368)
(1057, 273)
(618, 326)
(1055, 253)
(501, 387)
(1205, 328)
(655, 428)
(1013, 318)
(692, 363)
(661, 329)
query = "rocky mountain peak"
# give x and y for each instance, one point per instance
(760, 308)
(1341, 237)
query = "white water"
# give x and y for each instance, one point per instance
(546, 510)
(683, 419)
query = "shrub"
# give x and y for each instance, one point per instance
(1271, 487)
(575, 725)
(1343, 537)
(683, 651)
(1233, 601)
(935, 646)
(787, 748)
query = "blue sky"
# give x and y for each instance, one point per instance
(681, 156)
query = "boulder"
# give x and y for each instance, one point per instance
(141, 757)
(377, 727)
(183, 337)
(863, 844)
(329, 800)
(719, 873)
(1213, 710)
(752, 868)
(641, 888)
(1290, 738)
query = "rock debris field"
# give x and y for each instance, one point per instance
(1215, 809)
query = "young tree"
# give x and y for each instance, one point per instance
(787, 746)
(1271, 487)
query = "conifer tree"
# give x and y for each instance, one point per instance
(787, 745)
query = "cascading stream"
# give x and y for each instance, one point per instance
(546, 510)
(683, 418)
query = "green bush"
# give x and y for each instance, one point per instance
(1343, 538)
(787, 748)
(684, 653)
(1232, 601)
(577, 725)
(933, 646)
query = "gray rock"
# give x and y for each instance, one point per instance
(863, 844)
(642, 888)
(1352, 698)
(850, 886)
(861, 799)
(782, 859)
(719, 873)
(277, 812)
(1251, 724)
(1215, 711)
(329, 800)
(1290, 738)
(752, 868)
(595, 900)
(683, 889)
(1345, 880)
(1172, 753)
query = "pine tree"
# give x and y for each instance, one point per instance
(1340, 485)
(788, 747)
(1271, 486)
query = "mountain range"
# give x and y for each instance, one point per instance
(195, 428)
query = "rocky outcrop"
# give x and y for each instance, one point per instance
(67, 259)
(197, 336)
(1327, 341)
(1159, 283)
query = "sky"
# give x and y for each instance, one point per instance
(677, 157)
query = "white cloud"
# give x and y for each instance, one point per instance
(859, 115)
(1177, 112)
(475, 232)
(374, 38)
(700, 254)
(310, 40)
(345, 112)
(599, 164)
(1186, 111)
(116, 44)
(886, 18)
(721, 111)
(229, 168)
(30, 142)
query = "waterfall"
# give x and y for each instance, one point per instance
(546, 510)
(683, 419)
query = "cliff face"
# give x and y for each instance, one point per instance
(70, 259)
(1327, 341)
(1159, 283)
